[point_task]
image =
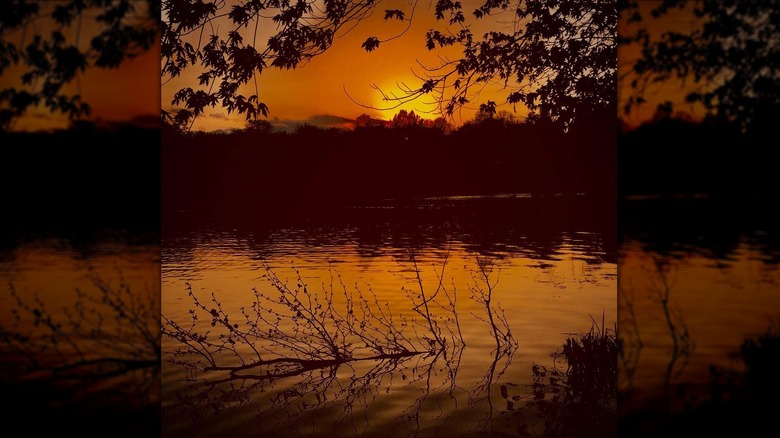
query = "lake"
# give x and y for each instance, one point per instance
(701, 272)
(82, 231)
(89, 352)
(550, 262)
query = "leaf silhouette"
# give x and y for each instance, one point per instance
(370, 44)
(394, 13)
(49, 59)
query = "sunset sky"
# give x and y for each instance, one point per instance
(130, 92)
(323, 87)
(674, 91)
(318, 88)
(115, 95)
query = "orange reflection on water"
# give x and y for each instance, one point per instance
(543, 300)
(88, 317)
(54, 269)
(718, 302)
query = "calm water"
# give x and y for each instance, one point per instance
(718, 262)
(67, 280)
(554, 272)
(55, 267)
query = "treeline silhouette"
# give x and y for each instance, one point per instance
(674, 156)
(697, 187)
(251, 170)
(80, 184)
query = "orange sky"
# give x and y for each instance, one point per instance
(317, 88)
(674, 91)
(120, 94)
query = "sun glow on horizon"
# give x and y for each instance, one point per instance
(345, 80)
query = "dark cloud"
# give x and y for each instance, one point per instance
(320, 121)
(328, 120)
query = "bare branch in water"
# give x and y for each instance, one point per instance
(481, 289)
(630, 343)
(295, 330)
(682, 344)
(109, 332)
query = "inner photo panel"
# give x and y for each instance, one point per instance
(389, 219)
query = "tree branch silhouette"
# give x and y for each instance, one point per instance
(630, 343)
(726, 58)
(482, 292)
(296, 330)
(36, 42)
(682, 343)
(557, 59)
(107, 333)
(225, 61)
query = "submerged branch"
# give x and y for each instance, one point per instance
(299, 366)
(296, 330)
(104, 344)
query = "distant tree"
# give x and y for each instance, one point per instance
(42, 41)
(308, 129)
(727, 55)
(364, 120)
(258, 125)
(488, 112)
(558, 57)
(404, 119)
(507, 117)
(439, 123)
